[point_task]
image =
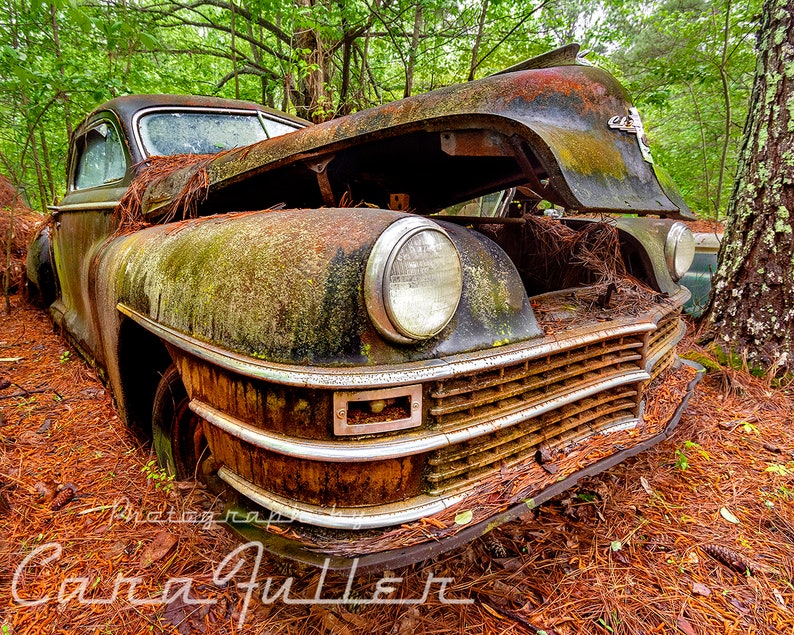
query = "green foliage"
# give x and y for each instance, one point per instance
(689, 65)
(158, 476)
(320, 59)
(684, 456)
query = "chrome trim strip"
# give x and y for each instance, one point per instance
(88, 207)
(361, 377)
(618, 426)
(370, 517)
(363, 450)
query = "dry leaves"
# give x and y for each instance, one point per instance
(561, 575)
(158, 548)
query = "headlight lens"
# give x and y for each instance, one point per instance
(679, 250)
(413, 280)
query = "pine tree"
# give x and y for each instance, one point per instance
(752, 312)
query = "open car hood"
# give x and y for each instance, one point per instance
(568, 132)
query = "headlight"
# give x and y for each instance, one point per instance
(413, 280)
(679, 250)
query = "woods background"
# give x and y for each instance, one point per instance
(688, 64)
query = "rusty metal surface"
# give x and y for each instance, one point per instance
(359, 484)
(553, 120)
(389, 559)
(222, 281)
(363, 450)
(77, 237)
(475, 424)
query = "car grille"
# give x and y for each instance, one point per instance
(661, 344)
(468, 400)
(485, 396)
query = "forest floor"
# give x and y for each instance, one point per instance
(693, 536)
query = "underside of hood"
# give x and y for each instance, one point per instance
(569, 133)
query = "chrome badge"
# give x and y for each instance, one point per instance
(632, 123)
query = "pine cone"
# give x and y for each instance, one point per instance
(64, 496)
(495, 546)
(730, 559)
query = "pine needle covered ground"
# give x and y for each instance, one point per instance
(694, 536)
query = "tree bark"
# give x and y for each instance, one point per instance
(752, 310)
(309, 96)
(409, 69)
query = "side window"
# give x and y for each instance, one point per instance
(100, 158)
(276, 128)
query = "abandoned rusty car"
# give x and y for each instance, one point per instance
(396, 329)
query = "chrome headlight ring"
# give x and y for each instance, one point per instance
(679, 250)
(413, 281)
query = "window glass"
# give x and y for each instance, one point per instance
(185, 132)
(488, 206)
(277, 128)
(101, 158)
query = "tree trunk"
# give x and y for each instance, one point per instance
(311, 100)
(409, 69)
(726, 96)
(477, 41)
(752, 310)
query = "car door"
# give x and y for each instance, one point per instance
(99, 174)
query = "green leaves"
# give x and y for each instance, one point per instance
(464, 517)
(149, 41)
(81, 53)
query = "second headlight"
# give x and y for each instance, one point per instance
(413, 281)
(679, 250)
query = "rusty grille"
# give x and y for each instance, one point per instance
(466, 401)
(661, 345)
(664, 362)
(471, 399)
(666, 330)
(459, 465)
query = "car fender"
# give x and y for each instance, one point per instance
(286, 287)
(39, 270)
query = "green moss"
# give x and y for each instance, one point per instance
(704, 360)
(782, 221)
(763, 135)
(732, 359)
(366, 349)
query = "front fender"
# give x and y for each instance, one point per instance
(286, 287)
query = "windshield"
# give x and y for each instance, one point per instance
(191, 132)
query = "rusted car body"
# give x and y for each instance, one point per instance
(364, 369)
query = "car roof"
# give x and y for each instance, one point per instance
(128, 105)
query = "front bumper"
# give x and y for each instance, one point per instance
(282, 537)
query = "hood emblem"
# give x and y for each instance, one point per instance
(632, 123)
